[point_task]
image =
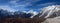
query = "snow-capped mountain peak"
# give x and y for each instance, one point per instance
(50, 10)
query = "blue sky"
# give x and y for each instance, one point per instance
(25, 5)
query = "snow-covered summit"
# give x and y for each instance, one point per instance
(50, 10)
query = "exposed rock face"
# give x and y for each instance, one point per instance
(52, 20)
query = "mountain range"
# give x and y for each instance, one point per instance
(47, 12)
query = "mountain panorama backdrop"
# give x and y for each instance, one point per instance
(29, 11)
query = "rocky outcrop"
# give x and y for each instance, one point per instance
(52, 20)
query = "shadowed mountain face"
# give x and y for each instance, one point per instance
(6, 14)
(18, 17)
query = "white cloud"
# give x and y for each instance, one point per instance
(21, 5)
(7, 8)
(46, 4)
(14, 2)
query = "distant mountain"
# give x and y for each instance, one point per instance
(16, 14)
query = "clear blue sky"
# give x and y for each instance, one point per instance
(24, 5)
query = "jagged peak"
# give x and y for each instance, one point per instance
(50, 10)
